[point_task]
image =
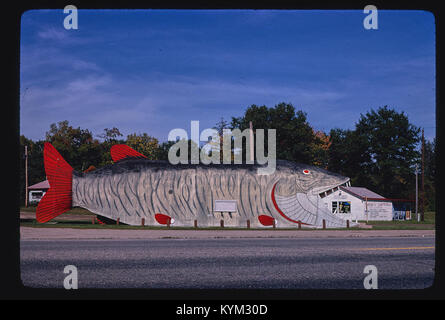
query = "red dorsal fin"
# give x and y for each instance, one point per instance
(122, 151)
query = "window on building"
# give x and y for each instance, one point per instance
(334, 206)
(345, 207)
(37, 195)
(341, 207)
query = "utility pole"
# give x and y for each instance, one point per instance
(251, 141)
(417, 192)
(26, 176)
(220, 126)
(422, 209)
(366, 201)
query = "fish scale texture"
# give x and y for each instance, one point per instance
(134, 189)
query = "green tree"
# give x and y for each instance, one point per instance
(76, 145)
(379, 154)
(162, 151)
(347, 156)
(110, 137)
(430, 175)
(145, 144)
(293, 133)
(320, 149)
(220, 126)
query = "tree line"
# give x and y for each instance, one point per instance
(380, 153)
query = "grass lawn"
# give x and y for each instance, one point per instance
(428, 224)
(89, 225)
(75, 211)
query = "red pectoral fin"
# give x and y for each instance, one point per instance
(163, 218)
(266, 220)
(122, 151)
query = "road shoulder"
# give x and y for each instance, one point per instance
(29, 233)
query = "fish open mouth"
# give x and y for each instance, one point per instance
(327, 190)
(303, 208)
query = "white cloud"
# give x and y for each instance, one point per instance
(52, 33)
(96, 101)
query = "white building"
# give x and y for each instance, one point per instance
(37, 191)
(356, 203)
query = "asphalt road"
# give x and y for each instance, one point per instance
(332, 263)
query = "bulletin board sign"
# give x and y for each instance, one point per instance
(224, 206)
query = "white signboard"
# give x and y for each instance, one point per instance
(379, 210)
(225, 206)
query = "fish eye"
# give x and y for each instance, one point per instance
(306, 171)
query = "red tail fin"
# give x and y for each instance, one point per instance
(58, 198)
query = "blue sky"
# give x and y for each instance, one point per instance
(155, 70)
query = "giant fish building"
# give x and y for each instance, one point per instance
(136, 189)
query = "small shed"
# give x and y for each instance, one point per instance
(403, 209)
(358, 203)
(37, 191)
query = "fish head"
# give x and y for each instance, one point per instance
(303, 178)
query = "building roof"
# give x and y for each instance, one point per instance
(40, 185)
(362, 192)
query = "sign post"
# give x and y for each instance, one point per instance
(416, 171)
(366, 201)
(26, 176)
